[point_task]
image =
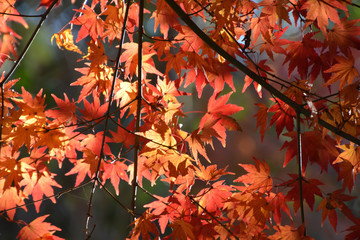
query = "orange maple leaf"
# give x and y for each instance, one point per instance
(289, 233)
(65, 39)
(143, 226)
(39, 185)
(344, 36)
(213, 199)
(181, 230)
(258, 177)
(10, 198)
(322, 11)
(38, 229)
(344, 71)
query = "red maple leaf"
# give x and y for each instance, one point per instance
(91, 24)
(284, 116)
(213, 199)
(258, 177)
(333, 201)
(314, 148)
(115, 171)
(261, 119)
(302, 54)
(309, 190)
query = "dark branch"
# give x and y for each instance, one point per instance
(298, 108)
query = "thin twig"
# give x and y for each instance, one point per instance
(138, 109)
(57, 195)
(300, 178)
(213, 217)
(111, 94)
(117, 201)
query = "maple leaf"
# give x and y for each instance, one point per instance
(349, 164)
(176, 62)
(39, 185)
(94, 80)
(93, 111)
(219, 107)
(350, 153)
(115, 171)
(278, 201)
(143, 226)
(322, 10)
(164, 17)
(283, 117)
(213, 199)
(289, 233)
(275, 45)
(38, 229)
(346, 173)
(260, 25)
(162, 46)
(123, 135)
(10, 198)
(130, 57)
(309, 190)
(12, 169)
(354, 232)
(344, 71)
(196, 146)
(47, 3)
(329, 205)
(192, 42)
(261, 119)
(219, 74)
(113, 21)
(302, 54)
(258, 177)
(96, 54)
(84, 167)
(181, 230)
(210, 173)
(66, 111)
(314, 147)
(90, 23)
(276, 11)
(65, 39)
(343, 36)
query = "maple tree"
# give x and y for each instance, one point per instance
(126, 124)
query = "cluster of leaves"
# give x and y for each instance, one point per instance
(130, 92)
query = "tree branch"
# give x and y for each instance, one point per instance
(298, 108)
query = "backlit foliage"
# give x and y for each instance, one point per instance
(136, 81)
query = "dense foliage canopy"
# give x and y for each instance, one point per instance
(126, 125)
